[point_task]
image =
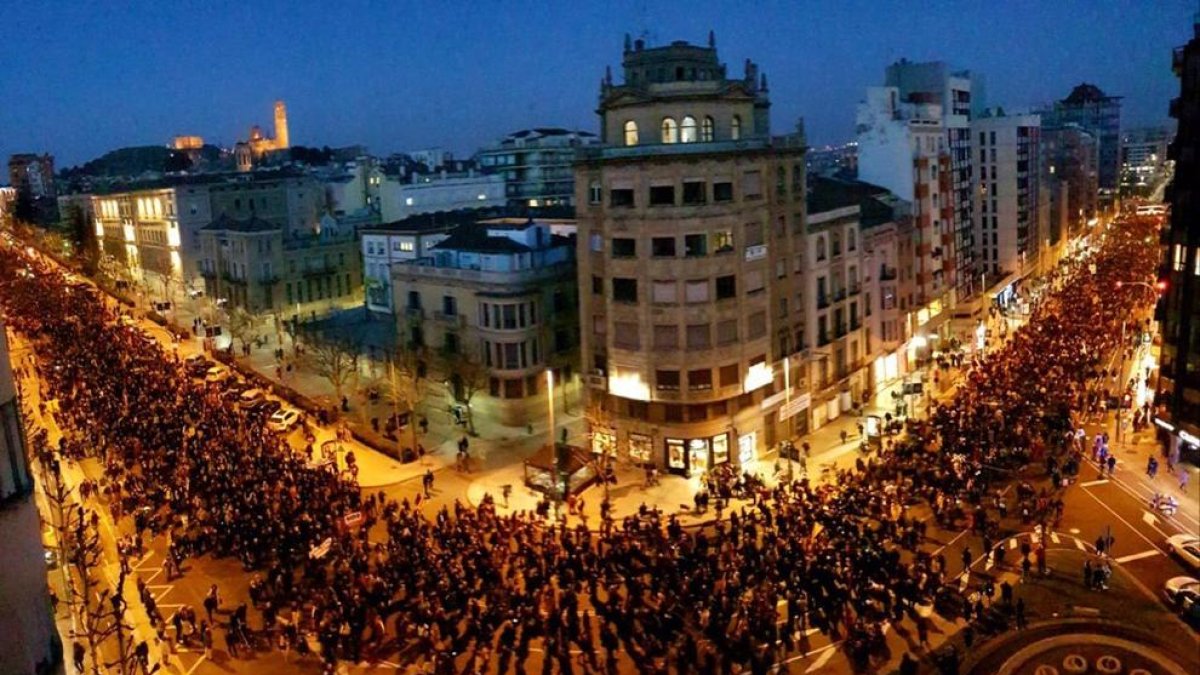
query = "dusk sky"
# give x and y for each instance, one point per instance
(81, 78)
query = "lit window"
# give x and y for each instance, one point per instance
(670, 131)
(706, 130)
(408, 201)
(407, 246)
(687, 132)
(1179, 257)
(631, 133)
(735, 128)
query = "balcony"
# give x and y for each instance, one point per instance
(839, 295)
(855, 289)
(319, 271)
(268, 279)
(839, 330)
(855, 324)
(887, 273)
(822, 338)
(822, 301)
(414, 312)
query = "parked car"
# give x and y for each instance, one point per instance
(250, 397)
(283, 420)
(1186, 547)
(217, 375)
(265, 407)
(1182, 592)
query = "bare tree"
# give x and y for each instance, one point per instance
(334, 357)
(242, 324)
(468, 376)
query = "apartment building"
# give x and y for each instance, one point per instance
(1009, 200)
(537, 164)
(691, 242)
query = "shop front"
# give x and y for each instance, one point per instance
(694, 456)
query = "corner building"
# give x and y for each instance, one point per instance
(690, 247)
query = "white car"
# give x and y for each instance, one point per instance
(250, 397)
(283, 420)
(216, 375)
(1187, 548)
(1182, 590)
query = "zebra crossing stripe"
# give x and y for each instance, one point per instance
(1012, 543)
(1054, 538)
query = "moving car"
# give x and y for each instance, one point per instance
(283, 420)
(1186, 547)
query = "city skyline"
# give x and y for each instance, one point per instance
(214, 70)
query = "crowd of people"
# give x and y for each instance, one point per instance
(470, 590)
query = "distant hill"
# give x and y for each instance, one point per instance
(135, 161)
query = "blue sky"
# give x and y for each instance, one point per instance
(80, 78)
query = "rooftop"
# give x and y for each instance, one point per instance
(829, 194)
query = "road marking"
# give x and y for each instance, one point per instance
(821, 660)
(1012, 543)
(1054, 538)
(1138, 556)
(1080, 545)
(941, 548)
(1118, 517)
(1074, 530)
(1090, 483)
(196, 664)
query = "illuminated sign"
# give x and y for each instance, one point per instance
(757, 376)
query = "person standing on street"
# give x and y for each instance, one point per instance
(427, 482)
(1021, 622)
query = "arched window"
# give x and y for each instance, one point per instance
(687, 132)
(631, 135)
(706, 130)
(735, 128)
(821, 252)
(836, 243)
(670, 132)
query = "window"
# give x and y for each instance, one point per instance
(851, 240)
(706, 130)
(756, 325)
(695, 245)
(1179, 257)
(449, 305)
(727, 287)
(723, 191)
(752, 185)
(670, 131)
(510, 317)
(698, 336)
(687, 132)
(662, 195)
(697, 291)
(624, 247)
(754, 234)
(694, 192)
(700, 380)
(822, 252)
(727, 331)
(631, 132)
(620, 197)
(730, 375)
(625, 290)
(836, 242)
(625, 335)
(663, 292)
(595, 194)
(722, 241)
(666, 380)
(754, 281)
(735, 128)
(597, 285)
(662, 247)
(666, 336)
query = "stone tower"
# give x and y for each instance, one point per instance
(281, 128)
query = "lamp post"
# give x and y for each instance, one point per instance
(787, 396)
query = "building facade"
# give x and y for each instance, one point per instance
(902, 147)
(1008, 201)
(32, 175)
(389, 244)
(1071, 155)
(1100, 115)
(960, 95)
(1179, 310)
(499, 294)
(537, 165)
(691, 241)
(152, 235)
(401, 197)
(31, 643)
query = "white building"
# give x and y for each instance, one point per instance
(400, 242)
(402, 198)
(1008, 201)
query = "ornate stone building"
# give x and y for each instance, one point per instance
(690, 250)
